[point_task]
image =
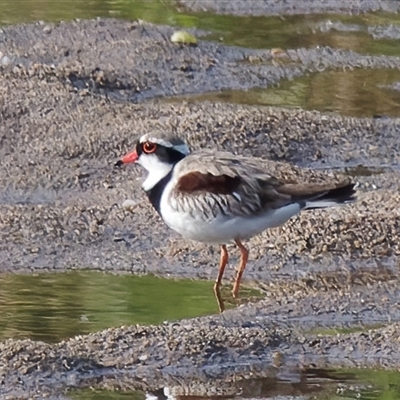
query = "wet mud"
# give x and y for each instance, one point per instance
(75, 96)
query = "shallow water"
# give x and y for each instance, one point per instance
(55, 306)
(357, 93)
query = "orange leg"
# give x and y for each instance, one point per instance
(222, 264)
(244, 256)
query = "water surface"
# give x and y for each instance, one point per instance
(357, 93)
(55, 306)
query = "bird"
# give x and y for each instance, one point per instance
(217, 197)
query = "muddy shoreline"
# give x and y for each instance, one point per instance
(72, 103)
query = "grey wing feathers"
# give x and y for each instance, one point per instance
(217, 183)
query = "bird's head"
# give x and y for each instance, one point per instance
(157, 154)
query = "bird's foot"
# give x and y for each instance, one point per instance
(220, 301)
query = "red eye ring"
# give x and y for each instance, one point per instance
(149, 147)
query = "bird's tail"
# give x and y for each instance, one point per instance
(339, 195)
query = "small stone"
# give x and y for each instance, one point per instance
(5, 61)
(183, 37)
(130, 205)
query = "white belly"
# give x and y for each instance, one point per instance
(222, 228)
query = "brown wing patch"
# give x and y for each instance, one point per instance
(198, 182)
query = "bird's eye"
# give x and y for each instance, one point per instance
(149, 147)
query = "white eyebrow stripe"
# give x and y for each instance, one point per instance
(162, 142)
(182, 148)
